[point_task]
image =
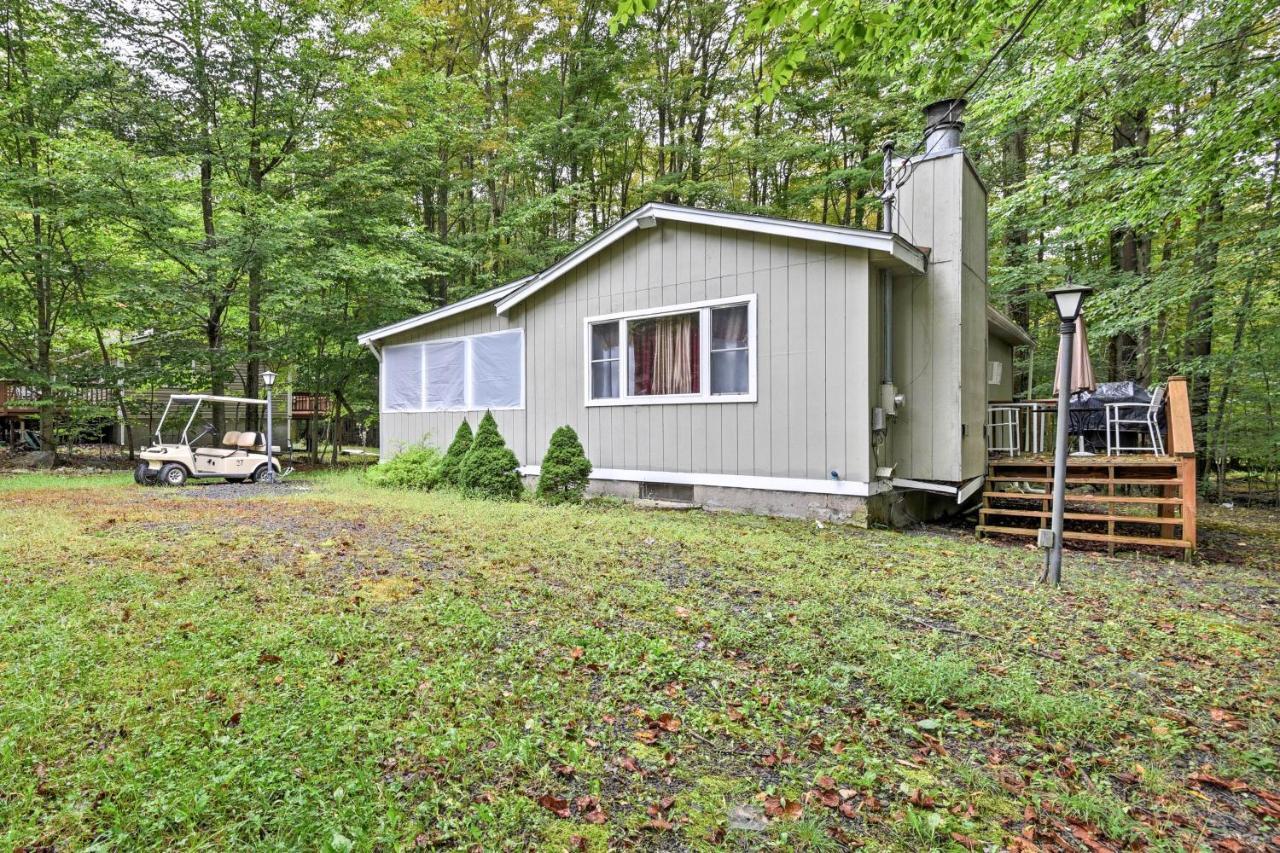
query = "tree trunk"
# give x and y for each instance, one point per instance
(1199, 346)
(1130, 251)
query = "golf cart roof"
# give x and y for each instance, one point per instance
(213, 398)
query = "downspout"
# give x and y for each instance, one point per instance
(886, 323)
(887, 407)
(377, 354)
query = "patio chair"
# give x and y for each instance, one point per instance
(1003, 433)
(1121, 419)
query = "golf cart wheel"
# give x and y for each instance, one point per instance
(259, 474)
(140, 474)
(173, 474)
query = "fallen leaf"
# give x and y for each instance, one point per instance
(668, 723)
(921, 799)
(555, 805)
(1235, 786)
(268, 657)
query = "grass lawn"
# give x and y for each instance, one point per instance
(345, 668)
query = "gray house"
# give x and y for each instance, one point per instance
(739, 361)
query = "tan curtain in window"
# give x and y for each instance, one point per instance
(673, 356)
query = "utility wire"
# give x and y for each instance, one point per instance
(1013, 36)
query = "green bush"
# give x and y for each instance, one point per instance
(451, 467)
(414, 468)
(565, 469)
(489, 470)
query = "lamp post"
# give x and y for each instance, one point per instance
(1067, 300)
(269, 379)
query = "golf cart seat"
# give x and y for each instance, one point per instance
(249, 441)
(230, 446)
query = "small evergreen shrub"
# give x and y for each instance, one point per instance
(416, 468)
(451, 467)
(489, 470)
(565, 469)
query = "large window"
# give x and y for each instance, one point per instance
(687, 353)
(458, 374)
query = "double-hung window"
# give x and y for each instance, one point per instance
(457, 374)
(702, 352)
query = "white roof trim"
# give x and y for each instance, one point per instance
(1006, 329)
(881, 241)
(487, 298)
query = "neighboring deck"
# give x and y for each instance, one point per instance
(1130, 501)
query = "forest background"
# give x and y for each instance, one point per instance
(192, 190)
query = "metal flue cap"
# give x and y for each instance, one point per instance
(942, 124)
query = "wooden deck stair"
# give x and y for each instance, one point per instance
(1138, 500)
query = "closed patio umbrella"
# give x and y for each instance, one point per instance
(1081, 368)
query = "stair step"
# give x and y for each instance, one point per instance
(1079, 516)
(1119, 499)
(1088, 537)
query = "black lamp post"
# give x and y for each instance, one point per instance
(1067, 300)
(269, 379)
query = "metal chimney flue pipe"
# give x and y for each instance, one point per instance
(887, 189)
(942, 125)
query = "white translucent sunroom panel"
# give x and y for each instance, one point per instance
(497, 370)
(402, 379)
(446, 375)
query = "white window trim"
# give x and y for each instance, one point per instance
(468, 402)
(704, 346)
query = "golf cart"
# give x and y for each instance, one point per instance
(238, 457)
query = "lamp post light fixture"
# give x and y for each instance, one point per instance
(1067, 300)
(269, 379)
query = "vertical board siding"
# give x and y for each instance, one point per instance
(813, 330)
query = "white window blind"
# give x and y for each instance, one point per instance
(402, 379)
(446, 375)
(475, 372)
(497, 377)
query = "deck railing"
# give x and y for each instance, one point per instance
(308, 405)
(26, 398)
(1126, 500)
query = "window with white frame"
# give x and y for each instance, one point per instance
(457, 374)
(686, 353)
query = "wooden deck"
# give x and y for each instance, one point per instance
(1134, 500)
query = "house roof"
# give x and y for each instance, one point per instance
(899, 252)
(487, 297)
(1005, 329)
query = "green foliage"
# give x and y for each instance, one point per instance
(489, 468)
(565, 468)
(451, 467)
(416, 468)
(368, 176)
